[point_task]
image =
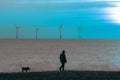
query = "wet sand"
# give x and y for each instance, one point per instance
(43, 55)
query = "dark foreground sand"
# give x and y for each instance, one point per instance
(67, 75)
(43, 55)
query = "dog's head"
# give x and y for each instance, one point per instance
(27, 68)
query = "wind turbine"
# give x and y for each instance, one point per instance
(36, 32)
(60, 30)
(17, 32)
(79, 32)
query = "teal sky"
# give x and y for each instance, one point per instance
(97, 19)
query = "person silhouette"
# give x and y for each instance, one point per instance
(63, 60)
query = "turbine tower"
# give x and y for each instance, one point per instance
(60, 29)
(36, 32)
(79, 32)
(17, 32)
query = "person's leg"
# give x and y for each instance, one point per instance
(63, 65)
(60, 67)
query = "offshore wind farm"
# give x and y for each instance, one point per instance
(98, 19)
(19, 32)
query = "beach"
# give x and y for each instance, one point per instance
(43, 54)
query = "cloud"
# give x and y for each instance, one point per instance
(48, 3)
(61, 1)
(51, 1)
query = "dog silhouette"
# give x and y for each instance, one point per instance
(25, 69)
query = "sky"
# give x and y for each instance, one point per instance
(86, 19)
